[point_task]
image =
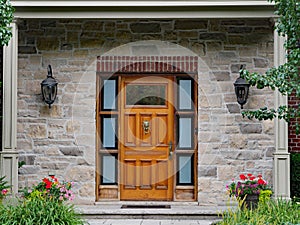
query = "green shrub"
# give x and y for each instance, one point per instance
(275, 212)
(295, 176)
(38, 211)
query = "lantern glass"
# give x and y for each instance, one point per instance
(49, 88)
(241, 91)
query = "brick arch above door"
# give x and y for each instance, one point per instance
(147, 64)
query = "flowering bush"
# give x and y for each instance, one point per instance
(51, 189)
(3, 187)
(248, 184)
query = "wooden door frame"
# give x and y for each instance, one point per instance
(116, 188)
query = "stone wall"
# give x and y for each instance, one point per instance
(61, 140)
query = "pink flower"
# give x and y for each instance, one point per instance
(4, 191)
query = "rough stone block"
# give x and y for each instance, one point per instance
(250, 155)
(238, 141)
(251, 128)
(47, 43)
(240, 29)
(191, 24)
(212, 36)
(92, 25)
(270, 152)
(143, 50)
(54, 165)
(145, 28)
(81, 173)
(235, 68)
(71, 151)
(222, 75)
(28, 169)
(236, 22)
(27, 50)
(199, 48)
(226, 57)
(37, 131)
(214, 46)
(233, 108)
(87, 190)
(260, 62)
(28, 159)
(208, 171)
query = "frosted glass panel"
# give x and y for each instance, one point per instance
(185, 170)
(109, 136)
(108, 169)
(185, 132)
(109, 94)
(185, 94)
(145, 94)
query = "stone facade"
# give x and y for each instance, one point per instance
(61, 140)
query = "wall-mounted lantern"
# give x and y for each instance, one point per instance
(49, 88)
(241, 87)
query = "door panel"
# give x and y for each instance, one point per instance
(147, 128)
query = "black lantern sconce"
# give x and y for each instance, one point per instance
(241, 87)
(49, 88)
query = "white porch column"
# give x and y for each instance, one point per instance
(281, 155)
(9, 155)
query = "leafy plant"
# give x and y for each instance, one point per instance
(295, 176)
(264, 195)
(275, 212)
(50, 189)
(38, 211)
(6, 12)
(286, 77)
(248, 184)
(4, 187)
(21, 163)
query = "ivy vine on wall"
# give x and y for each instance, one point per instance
(285, 77)
(6, 12)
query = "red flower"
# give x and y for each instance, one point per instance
(47, 182)
(249, 174)
(48, 185)
(243, 177)
(252, 178)
(261, 182)
(259, 176)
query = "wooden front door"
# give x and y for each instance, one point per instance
(147, 137)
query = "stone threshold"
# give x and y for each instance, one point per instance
(177, 210)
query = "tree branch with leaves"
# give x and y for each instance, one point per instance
(6, 12)
(285, 78)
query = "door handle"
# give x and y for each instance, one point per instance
(146, 126)
(170, 149)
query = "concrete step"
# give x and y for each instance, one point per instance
(152, 211)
